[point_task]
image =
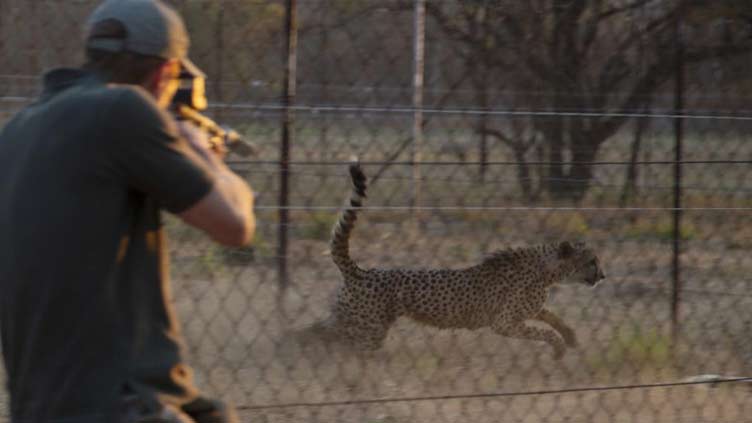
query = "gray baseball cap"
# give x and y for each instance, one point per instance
(152, 29)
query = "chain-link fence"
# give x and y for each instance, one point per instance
(481, 125)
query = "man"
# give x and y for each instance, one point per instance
(88, 331)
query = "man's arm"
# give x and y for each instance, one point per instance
(226, 212)
(171, 162)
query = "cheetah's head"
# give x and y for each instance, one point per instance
(589, 270)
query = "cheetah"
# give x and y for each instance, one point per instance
(502, 292)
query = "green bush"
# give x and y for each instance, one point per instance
(662, 230)
(637, 346)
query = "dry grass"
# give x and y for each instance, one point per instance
(246, 348)
(245, 345)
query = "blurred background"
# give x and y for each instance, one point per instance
(482, 124)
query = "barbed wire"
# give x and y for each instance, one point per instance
(487, 163)
(490, 180)
(489, 395)
(508, 208)
(251, 84)
(319, 108)
(493, 394)
(255, 83)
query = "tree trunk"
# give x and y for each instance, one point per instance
(581, 173)
(553, 138)
(630, 183)
(523, 174)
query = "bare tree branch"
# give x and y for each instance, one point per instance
(626, 8)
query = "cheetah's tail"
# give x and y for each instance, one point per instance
(340, 242)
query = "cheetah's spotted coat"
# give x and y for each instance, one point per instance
(502, 292)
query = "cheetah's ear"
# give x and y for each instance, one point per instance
(566, 250)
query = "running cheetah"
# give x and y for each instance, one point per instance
(502, 292)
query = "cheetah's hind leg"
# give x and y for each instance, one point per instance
(322, 331)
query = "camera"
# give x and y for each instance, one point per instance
(190, 100)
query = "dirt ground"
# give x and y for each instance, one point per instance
(247, 342)
(247, 347)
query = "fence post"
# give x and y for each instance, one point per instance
(678, 147)
(288, 121)
(324, 150)
(418, 74)
(482, 88)
(218, 77)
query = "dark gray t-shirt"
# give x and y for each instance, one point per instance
(85, 305)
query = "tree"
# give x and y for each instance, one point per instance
(236, 43)
(596, 61)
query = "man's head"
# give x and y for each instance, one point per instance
(142, 42)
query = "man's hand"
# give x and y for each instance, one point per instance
(201, 142)
(226, 213)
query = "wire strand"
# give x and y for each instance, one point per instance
(319, 108)
(491, 394)
(488, 163)
(593, 183)
(508, 208)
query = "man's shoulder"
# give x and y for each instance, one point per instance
(126, 95)
(133, 105)
(123, 99)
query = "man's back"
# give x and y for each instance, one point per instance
(85, 305)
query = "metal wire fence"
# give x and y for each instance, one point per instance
(481, 125)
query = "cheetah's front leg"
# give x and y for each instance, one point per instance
(522, 331)
(566, 332)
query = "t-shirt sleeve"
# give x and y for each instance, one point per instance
(151, 157)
